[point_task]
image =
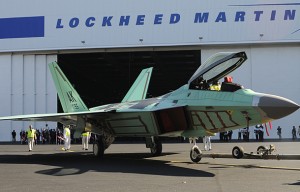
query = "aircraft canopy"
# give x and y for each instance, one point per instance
(218, 66)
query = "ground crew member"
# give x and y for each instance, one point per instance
(207, 143)
(67, 138)
(30, 137)
(85, 140)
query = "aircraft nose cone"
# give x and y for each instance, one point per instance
(277, 107)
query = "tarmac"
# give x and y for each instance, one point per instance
(130, 167)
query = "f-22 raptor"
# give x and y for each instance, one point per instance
(192, 111)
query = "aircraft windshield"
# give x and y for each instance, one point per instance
(219, 69)
(218, 66)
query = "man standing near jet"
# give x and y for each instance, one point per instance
(30, 137)
(207, 143)
(67, 138)
(294, 133)
(14, 134)
(279, 132)
(85, 140)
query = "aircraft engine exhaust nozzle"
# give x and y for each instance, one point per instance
(277, 107)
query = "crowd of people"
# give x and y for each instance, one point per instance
(226, 135)
(295, 132)
(244, 134)
(52, 136)
(42, 136)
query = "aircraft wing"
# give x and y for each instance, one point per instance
(64, 118)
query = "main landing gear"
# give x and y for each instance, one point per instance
(101, 143)
(155, 145)
(195, 153)
(98, 148)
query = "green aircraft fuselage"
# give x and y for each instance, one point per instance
(190, 113)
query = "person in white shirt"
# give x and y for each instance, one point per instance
(207, 143)
(67, 138)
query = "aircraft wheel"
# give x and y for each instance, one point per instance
(261, 149)
(98, 148)
(157, 147)
(196, 154)
(238, 152)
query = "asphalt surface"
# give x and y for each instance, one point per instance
(130, 167)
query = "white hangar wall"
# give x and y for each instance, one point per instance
(77, 24)
(269, 69)
(26, 88)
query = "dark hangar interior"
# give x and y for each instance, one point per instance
(105, 77)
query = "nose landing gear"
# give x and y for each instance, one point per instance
(195, 153)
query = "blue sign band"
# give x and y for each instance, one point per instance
(22, 27)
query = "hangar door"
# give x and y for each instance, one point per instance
(102, 78)
(26, 88)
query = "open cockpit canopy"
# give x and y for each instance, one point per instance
(217, 66)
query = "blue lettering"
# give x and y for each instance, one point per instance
(221, 17)
(273, 14)
(74, 22)
(200, 18)
(289, 14)
(140, 20)
(107, 21)
(257, 15)
(58, 24)
(175, 18)
(240, 16)
(158, 19)
(124, 20)
(89, 22)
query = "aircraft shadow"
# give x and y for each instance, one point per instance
(296, 183)
(79, 163)
(247, 166)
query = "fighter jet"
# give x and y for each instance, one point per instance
(192, 111)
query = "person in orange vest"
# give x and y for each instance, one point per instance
(30, 137)
(67, 138)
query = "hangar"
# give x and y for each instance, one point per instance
(102, 46)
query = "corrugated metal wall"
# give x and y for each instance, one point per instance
(26, 88)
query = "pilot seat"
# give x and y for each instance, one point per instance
(229, 86)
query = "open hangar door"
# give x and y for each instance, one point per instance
(105, 77)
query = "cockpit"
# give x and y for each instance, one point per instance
(215, 68)
(228, 85)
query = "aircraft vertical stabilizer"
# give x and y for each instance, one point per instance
(68, 96)
(138, 90)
